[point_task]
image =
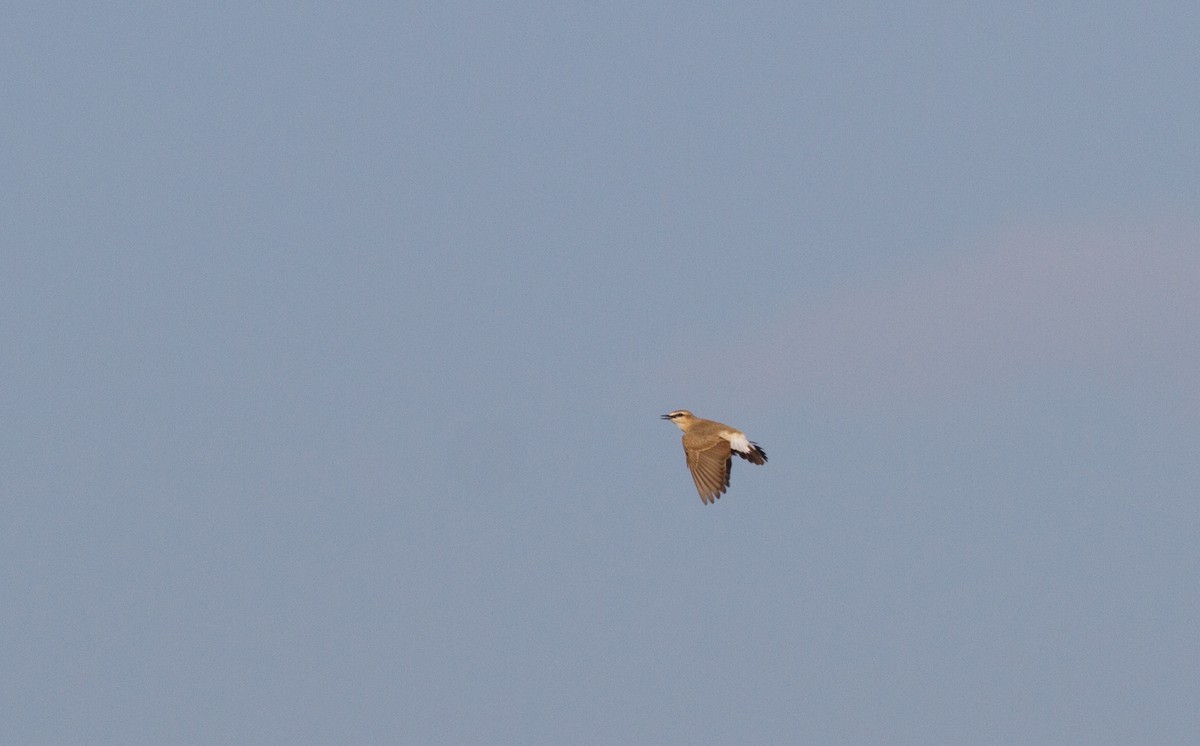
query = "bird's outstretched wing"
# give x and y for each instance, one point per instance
(710, 468)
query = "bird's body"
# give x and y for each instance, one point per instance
(710, 446)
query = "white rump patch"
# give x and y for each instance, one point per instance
(738, 442)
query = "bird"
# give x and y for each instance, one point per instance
(710, 447)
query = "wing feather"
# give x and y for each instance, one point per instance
(710, 468)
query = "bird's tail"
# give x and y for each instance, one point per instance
(756, 455)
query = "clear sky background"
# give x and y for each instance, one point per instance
(334, 339)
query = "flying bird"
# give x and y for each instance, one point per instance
(710, 447)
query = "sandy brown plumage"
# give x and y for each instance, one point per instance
(709, 447)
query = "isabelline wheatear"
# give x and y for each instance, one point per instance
(710, 447)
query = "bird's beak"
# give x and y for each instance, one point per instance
(664, 417)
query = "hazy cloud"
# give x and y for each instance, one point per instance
(1110, 305)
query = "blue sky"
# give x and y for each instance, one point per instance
(336, 340)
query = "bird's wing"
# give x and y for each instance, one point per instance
(710, 468)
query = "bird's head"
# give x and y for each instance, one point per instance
(680, 417)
